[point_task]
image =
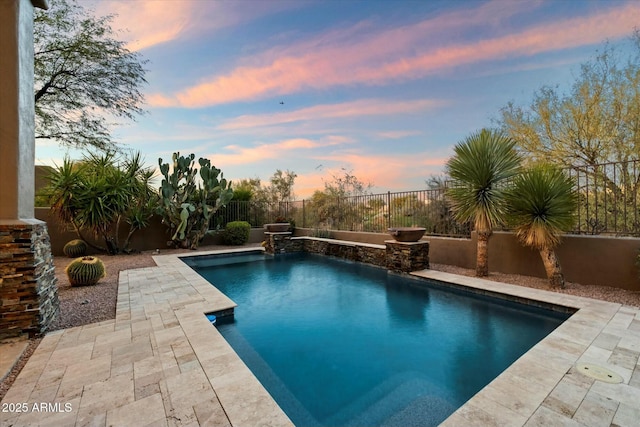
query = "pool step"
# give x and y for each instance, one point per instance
(404, 400)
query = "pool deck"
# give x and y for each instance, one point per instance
(161, 363)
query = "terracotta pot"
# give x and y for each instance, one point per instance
(277, 227)
(407, 234)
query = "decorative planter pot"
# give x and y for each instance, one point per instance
(407, 234)
(277, 227)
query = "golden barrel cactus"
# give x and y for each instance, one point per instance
(85, 271)
(75, 248)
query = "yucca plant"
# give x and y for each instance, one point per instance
(481, 165)
(99, 193)
(542, 205)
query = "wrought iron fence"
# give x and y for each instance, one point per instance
(608, 198)
(371, 212)
(608, 204)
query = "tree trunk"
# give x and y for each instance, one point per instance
(552, 267)
(88, 242)
(482, 260)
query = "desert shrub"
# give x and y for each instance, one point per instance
(236, 233)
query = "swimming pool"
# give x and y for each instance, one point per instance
(342, 343)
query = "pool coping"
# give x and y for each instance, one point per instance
(517, 395)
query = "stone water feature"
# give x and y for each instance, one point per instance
(396, 256)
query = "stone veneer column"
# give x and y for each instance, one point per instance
(278, 242)
(407, 256)
(28, 289)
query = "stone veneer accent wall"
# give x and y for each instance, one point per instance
(396, 256)
(407, 256)
(28, 286)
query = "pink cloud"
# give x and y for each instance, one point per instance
(394, 170)
(363, 107)
(239, 155)
(397, 171)
(360, 56)
(146, 23)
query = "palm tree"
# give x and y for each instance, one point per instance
(542, 205)
(481, 165)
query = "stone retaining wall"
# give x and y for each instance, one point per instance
(28, 285)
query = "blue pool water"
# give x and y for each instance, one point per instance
(338, 343)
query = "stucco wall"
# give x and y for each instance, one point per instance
(153, 237)
(588, 260)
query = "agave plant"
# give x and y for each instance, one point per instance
(542, 205)
(481, 165)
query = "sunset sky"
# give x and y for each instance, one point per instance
(383, 89)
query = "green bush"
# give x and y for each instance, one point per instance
(236, 233)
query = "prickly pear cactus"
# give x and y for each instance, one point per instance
(188, 203)
(75, 248)
(85, 271)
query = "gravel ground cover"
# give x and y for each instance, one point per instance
(88, 304)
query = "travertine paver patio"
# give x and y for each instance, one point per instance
(160, 362)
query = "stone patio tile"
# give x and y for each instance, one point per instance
(563, 347)
(622, 319)
(634, 381)
(98, 398)
(90, 332)
(210, 414)
(606, 341)
(61, 357)
(181, 392)
(50, 377)
(19, 392)
(138, 350)
(630, 342)
(566, 397)
(506, 392)
(148, 411)
(99, 420)
(125, 368)
(596, 410)
(44, 394)
(596, 355)
(165, 338)
(51, 416)
(49, 343)
(80, 374)
(143, 327)
(545, 417)
(622, 393)
(483, 412)
(105, 343)
(223, 364)
(624, 358)
(626, 416)
(256, 407)
(576, 332)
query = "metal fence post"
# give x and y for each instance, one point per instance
(389, 209)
